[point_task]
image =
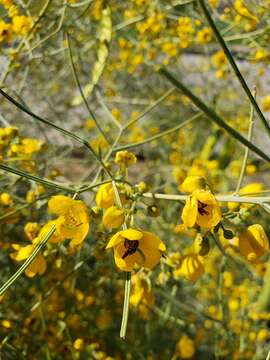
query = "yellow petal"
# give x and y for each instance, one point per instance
(38, 266)
(59, 204)
(114, 240)
(130, 262)
(190, 211)
(131, 234)
(23, 253)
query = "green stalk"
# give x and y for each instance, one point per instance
(36, 178)
(126, 306)
(212, 115)
(158, 136)
(27, 262)
(58, 128)
(233, 65)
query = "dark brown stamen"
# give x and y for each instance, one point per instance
(201, 208)
(131, 246)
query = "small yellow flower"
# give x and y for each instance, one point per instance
(253, 243)
(191, 268)
(113, 217)
(134, 247)
(6, 199)
(204, 36)
(266, 103)
(5, 31)
(21, 24)
(73, 220)
(185, 347)
(31, 230)
(192, 183)
(202, 209)
(125, 158)
(37, 266)
(105, 196)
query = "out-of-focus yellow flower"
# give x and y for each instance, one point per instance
(134, 247)
(192, 183)
(191, 267)
(31, 230)
(73, 220)
(104, 320)
(37, 266)
(185, 347)
(261, 54)
(6, 199)
(263, 335)
(21, 24)
(113, 217)
(201, 208)
(125, 158)
(266, 103)
(78, 344)
(204, 36)
(142, 296)
(249, 190)
(5, 31)
(219, 59)
(253, 243)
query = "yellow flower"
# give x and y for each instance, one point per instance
(56, 237)
(201, 208)
(218, 59)
(134, 247)
(125, 158)
(5, 31)
(37, 266)
(5, 199)
(105, 196)
(266, 103)
(253, 243)
(204, 36)
(73, 221)
(142, 296)
(185, 347)
(191, 267)
(21, 24)
(31, 229)
(249, 189)
(192, 183)
(113, 217)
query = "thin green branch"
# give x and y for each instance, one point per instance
(75, 75)
(212, 115)
(244, 163)
(27, 262)
(58, 128)
(160, 135)
(234, 65)
(37, 179)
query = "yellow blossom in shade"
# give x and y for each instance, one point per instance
(56, 238)
(201, 208)
(191, 267)
(192, 183)
(142, 296)
(78, 344)
(204, 36)
(5, 31)
(253, 243)
(125, 158)
(31, 230)
(266, 103)
(12, 11)
(134, 247)
(37, 266)
(113, 217)
(21, 24)
(5, 199)
(185, 347)
(73, 221)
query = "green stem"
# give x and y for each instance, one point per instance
(233, 65)
(27, 262)
(244, 163)
(36, 178)
(126, 306)
(81, 90)
(58, 128)
(213, 115)
(158, 136)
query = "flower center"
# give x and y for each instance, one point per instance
(131, 246)
(70, 220)
(201, 208)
